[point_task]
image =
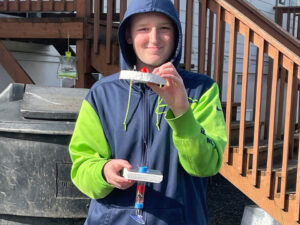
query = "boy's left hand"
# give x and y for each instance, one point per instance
(173, 92)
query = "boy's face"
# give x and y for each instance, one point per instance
(152, 37)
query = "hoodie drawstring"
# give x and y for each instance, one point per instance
(157, 112)
(159, 100)
(128, 105)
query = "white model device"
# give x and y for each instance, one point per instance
(142, 77)
(152, 176)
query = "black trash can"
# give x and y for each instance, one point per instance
(36, 124)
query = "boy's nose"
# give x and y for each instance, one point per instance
(154, 35)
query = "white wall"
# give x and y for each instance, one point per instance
(39, 61)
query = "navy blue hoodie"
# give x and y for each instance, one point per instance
(186, 149)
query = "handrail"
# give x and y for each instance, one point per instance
(263, 26)
(283, 53)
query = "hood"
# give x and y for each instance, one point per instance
(127, 56)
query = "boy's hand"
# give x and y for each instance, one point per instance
(111, 173)
(173, 92)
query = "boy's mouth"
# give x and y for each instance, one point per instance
(154, 49)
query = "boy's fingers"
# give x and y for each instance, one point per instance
(121, 182)
(124, 164)
(156, 70)
(157, 89)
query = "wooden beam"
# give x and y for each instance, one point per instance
(268, 97)
(287, 130)
(257, 109)
(272, 123)
(123, 7)
(241, 166)
(219, 48)
(202, 36)
(25, 5)
(96, 24)
(282, 78)
(41, 28)
(109, 23)
(210, 44)
(188, 34)
(83, 51)
(10, 64)
(230, 83)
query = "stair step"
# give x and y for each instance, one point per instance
(234, 107)
(235, 132)
(277, 173)
(277, 168)
(291, 194)
(263, 146)
(262, 151)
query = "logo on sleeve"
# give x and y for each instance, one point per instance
(218, 108)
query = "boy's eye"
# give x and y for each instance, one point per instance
(143, 29)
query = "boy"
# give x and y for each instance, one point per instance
(178, 129)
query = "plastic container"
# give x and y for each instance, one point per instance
(35, 184)
(67, 67)
(253, 215)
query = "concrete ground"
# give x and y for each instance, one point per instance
(225, 202)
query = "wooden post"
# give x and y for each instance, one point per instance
(280, 104)
(202, 36)
(188, 34)
(241, 167)
(109, 19)
(96, 25)
(83, 48)
(219, 49)
(272, 122)
(123, 6)
(288, 112)
(260, 43)
(210, 44)
(230, 83)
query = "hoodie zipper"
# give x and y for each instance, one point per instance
(146, 125)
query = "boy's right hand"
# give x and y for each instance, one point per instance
(111, 173)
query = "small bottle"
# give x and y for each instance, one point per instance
(139, 199)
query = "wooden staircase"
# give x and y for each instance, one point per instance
(61, 19)
(261, 158)
(263, 165)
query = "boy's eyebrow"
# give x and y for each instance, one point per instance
(146, 24)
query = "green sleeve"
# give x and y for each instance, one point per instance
(200, 134)
(89, 152)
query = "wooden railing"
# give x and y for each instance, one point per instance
(280, 53)
(250, 161)
(37, 5)
(289, 19)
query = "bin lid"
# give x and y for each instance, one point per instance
(52, 103)
(41, 117)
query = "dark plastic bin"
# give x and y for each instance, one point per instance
(36, 124)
